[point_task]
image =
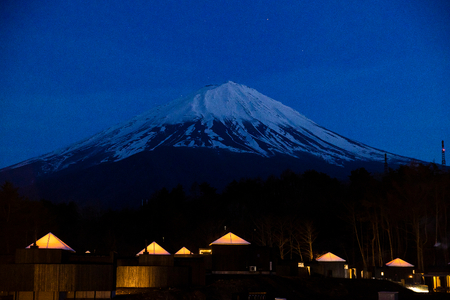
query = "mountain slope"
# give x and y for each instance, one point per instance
(217, 134)
(230, 116)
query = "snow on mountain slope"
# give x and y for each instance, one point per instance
(229, 116)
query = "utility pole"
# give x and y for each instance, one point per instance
(443, 153)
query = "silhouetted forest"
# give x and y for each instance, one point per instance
(368, 220)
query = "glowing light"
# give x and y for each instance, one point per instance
(329, 257)
(301, 265)
(154, 249)
(418, 288)
(51, 241)
(399, 263)
(205, 251)
(230, 239)
(183, 251)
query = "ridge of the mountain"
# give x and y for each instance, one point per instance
(229, 117)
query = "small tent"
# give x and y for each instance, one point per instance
(230, 239)
(399, 263)
(154, 249)
(330, 265)
(183, 251)
(230, 254)
(330, 257)
(50, 241)
(399, 270)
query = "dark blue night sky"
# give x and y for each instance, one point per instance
(374, 71)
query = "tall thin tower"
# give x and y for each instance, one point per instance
(443, 153)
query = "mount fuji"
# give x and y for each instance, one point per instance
(217, 134)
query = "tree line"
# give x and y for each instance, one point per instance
(368, 220)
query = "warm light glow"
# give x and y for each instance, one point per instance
(418, 288)
(230, 239)
(205, 251)
(410, 276)
(154, 249)
(345, 267)
(329, 257)
(382, 273)
(436, 282)
(301, 265)
(50, 241)
(183, 251)
(399, 263)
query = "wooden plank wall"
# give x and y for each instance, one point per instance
(151, 276)
(155, 260)
(16, 277)
(196, 264)
(96, 278)
(67, 277)
(56, 277)
(40, 256)
(230, 257)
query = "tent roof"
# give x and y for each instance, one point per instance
(230, 239)
(330, 257)
(154, 249)
(182, 251)
(50, 241)
(399, 263)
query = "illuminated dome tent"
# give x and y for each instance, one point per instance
(230, 239)
(154, 249)
(399, 270)
(399, 263)
(183, 251)
(50, 241)
(331, 265)
(230, 254)
(330, 257)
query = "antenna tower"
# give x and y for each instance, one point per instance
(443, 154)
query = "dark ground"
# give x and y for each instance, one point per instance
(239, 287)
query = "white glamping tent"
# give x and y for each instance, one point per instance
(154, 249)
(51, 241)
(331, 265)
(399, 263)
(183, 251)
(230, 239)
(330, 257)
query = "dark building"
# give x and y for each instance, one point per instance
(47, 270)
(155, 269)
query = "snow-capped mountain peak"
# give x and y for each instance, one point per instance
(230, 116)
(229, 101)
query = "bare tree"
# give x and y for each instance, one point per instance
(264, 233)
(280, 235)
(306, 234)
